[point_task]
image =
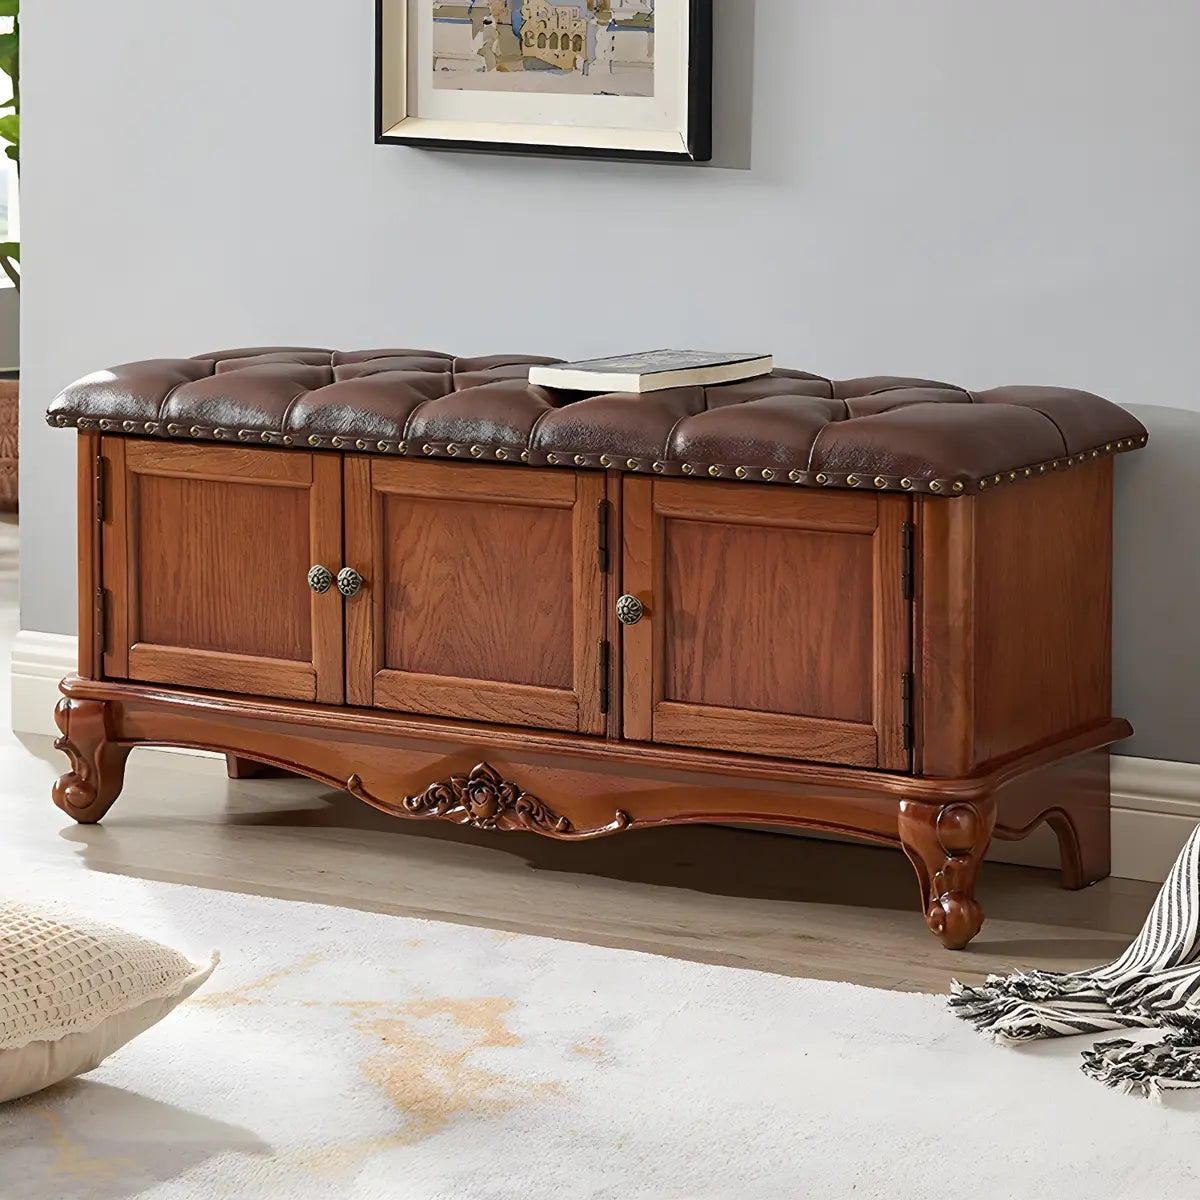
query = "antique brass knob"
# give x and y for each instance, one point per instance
(630, 610)
(349, 582)
(320, 579)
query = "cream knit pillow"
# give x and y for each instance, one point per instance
(73, 990)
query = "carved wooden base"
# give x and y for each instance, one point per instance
(1072, 797)
(574, 787)
(946, 844)
(88, 790)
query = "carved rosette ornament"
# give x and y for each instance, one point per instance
(485, 800)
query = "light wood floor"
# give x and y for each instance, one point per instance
(748, 899)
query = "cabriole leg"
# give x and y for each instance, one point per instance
(946, 845)
(87, 791)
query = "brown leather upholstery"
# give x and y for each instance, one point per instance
(788, 427)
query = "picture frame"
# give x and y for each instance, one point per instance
(613, 79)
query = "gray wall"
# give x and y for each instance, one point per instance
(995, 191)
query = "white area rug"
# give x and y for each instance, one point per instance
(342, 1054)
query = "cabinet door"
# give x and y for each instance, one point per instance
(206, 553)
(775, 622)
(483, 598)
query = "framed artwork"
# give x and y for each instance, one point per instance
(598, 78)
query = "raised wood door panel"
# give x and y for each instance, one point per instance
(206, 552)
(775, 622)
(484, 597)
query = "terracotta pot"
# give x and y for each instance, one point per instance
(8, 445)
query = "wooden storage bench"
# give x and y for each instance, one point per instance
(878, 607)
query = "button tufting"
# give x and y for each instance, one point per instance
(1004, 434)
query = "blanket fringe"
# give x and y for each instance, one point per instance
(1155, 983)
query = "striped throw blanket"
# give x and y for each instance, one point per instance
(1155, 983)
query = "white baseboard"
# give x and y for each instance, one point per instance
(1156, 804)
(39, 661)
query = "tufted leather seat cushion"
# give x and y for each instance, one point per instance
(787, 427)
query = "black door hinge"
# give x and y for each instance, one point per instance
(101, 479)
(101, 620)
(909, 567)
(906, 702)
(605, 671)
(602, 509)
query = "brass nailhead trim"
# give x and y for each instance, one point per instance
(852, 480)
(997, 479)
(427, 448)
(822, 478)
(605, 460)
(218, 434)
(958, 485)
(714, 470)
(381, 445)
(935, 486)
(501, 453)
(768, 473)
(524, 455)
(314, 440)
(1109, 446)
(687, 468)
(451, 448)
(287, 439)
(631, 463)
(360, 444)
(403, 447)
(658, 467)
(335, 442)
(880, 481)
(579, 460)
(982, 484)
(149, 426)
(552, 459)
(128, 426)
(740, 472)
(906, 483)
(266, 437)
(475, 451)
(794, 476)
(195, 431)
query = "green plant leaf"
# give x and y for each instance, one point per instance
(10, 128)
(11, 250)
(13, 152)
(10, 8)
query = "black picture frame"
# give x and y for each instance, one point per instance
(695, 140)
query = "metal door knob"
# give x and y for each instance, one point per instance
(349, 582)
(320, 579)
(630, 610)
